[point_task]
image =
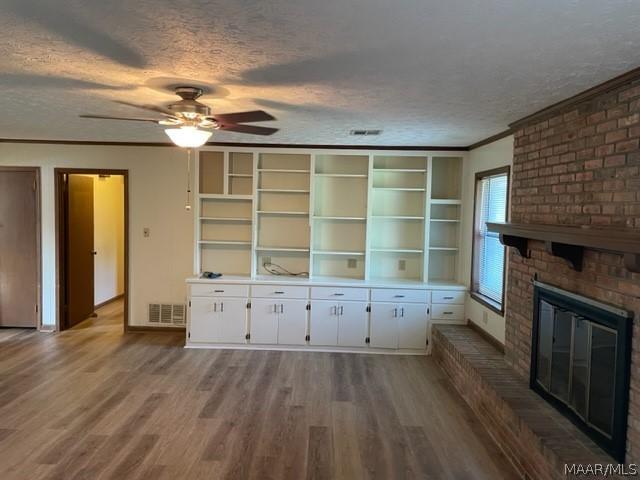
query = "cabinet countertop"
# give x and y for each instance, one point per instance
(328, 282)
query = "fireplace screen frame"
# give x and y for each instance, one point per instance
(611, 318)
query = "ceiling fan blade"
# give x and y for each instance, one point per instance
(243, 117)
(106, 117)
(253, 129)
(153, 108)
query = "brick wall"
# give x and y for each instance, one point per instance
(578, 167)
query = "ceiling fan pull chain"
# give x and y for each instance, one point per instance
(188, 204)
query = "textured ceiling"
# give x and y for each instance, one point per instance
(426, 72)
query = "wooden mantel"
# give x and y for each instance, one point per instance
(569, 242)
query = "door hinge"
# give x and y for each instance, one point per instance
(308, 306)
(247, 336)
(368, 308)
(248, 304)
(428, 311)
(189, 303)
(188, 334)
(307, 338)
(367, 340)
(35, 185)
(36, 308)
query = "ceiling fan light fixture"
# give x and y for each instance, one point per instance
(188, 136)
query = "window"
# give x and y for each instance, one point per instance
(487, 276)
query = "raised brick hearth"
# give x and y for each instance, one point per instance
(579, 166)
(535, 437)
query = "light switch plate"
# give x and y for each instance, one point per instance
(352, 263)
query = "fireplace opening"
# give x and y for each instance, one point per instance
(580, 363)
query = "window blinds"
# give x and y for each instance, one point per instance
(491, 207)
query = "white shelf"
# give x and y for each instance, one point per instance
(444, 249)
(397, 250)
(220, 196)
(445, 220)
(281, 190)
(225, 219)
(355, 219)
(400, 189)
(398, 217)
(223, 242)
(267, 212)
(400, 170)
(281, 170)
(338, 252)
(341, 175)
(282, 249)
(445, 201)
(241, 175)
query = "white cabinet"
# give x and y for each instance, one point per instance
(344, 324)
(218, 320)
(399, 325)
(278, 321)
(412, 326)
(323, 326)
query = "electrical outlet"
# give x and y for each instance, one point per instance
(485, 317)
(266, 260)
(351, 263)
(402, 265)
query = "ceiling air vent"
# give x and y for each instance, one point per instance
(167, 314)
(365, 133)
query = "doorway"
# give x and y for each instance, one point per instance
(92, 233)
(20, 258)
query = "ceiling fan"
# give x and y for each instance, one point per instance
(192, 121)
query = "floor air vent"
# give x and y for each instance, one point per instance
(167, 314)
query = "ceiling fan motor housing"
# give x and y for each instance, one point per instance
(189, 104)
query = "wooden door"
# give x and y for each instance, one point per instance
(292, 322)
(352, 324)
(79, 253)
(19, 255)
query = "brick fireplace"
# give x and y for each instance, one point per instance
(578, 165)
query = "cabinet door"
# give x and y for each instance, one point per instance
(352, 324)
(233, 328)
(292, 322)
(205, 320)
(264, 321)
(323, 328)
(384, 325)
(412, 321)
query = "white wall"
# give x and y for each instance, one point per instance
(158, 265)
(493, 155)
(108, 242)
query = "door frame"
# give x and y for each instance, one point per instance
(59, 224)
(38, 203)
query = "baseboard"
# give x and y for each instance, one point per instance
(487, 336)
(114, 299)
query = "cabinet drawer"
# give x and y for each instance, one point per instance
(447, 312)
(399, 295)
(442, 296)
(219, 290)
(279, 291)
(338, 293)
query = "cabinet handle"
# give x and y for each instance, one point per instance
(398, 296)
(447, 313)
(218, 291)
(215, 306)
(222, 306)
(278, 292)
(395, 313)
(338, 294)
(447, 298)
(333, 310)
(341, 309)
(402, 312)
(275, 308)
(281, 308)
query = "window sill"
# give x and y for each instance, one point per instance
(488, 303)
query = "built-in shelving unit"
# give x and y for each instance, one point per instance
(388, 216)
